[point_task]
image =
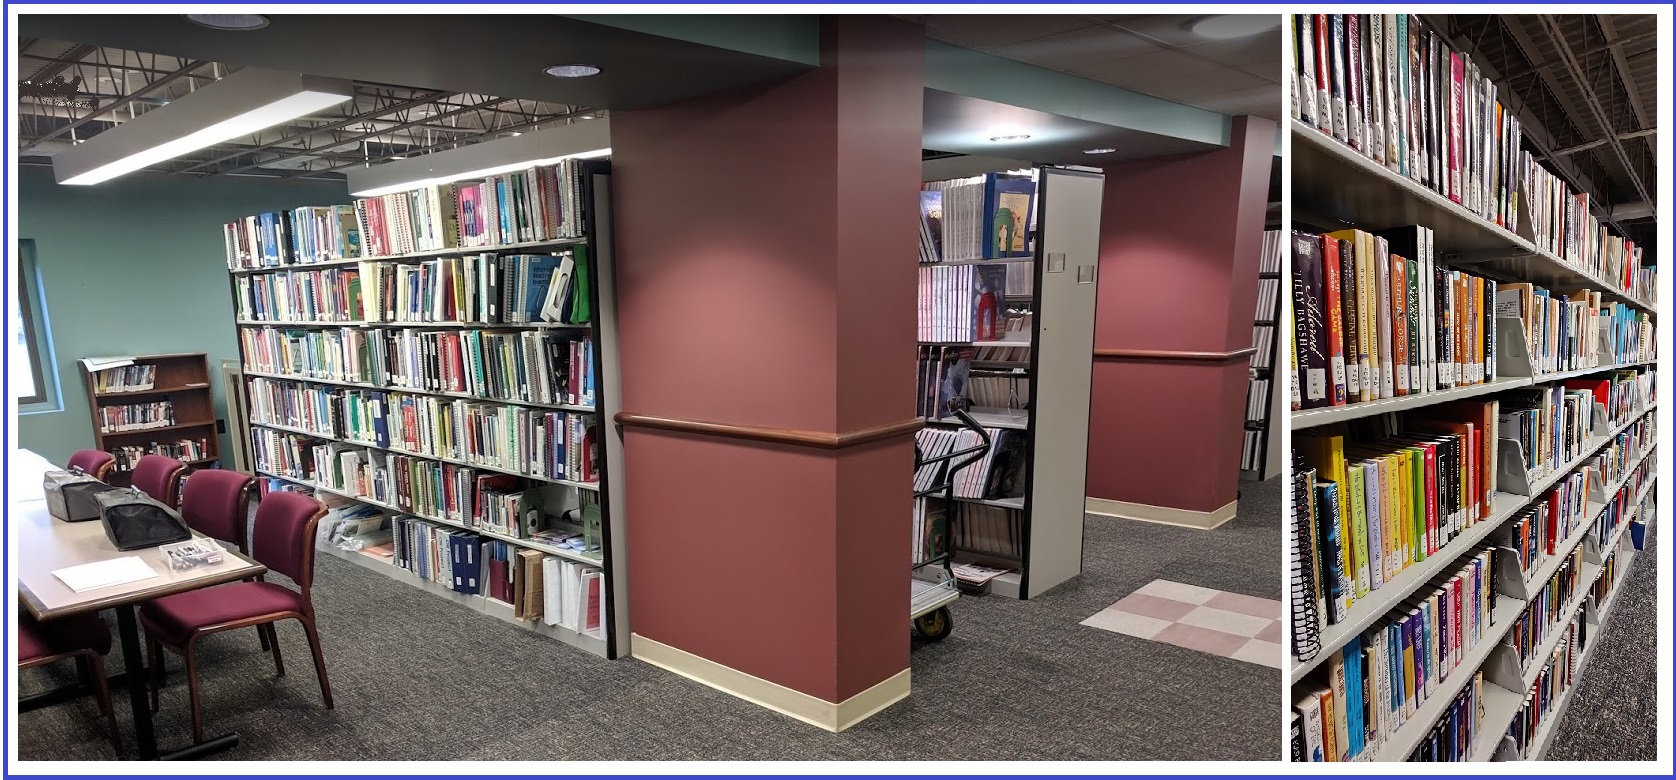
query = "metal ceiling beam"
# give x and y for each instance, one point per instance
(1610, 45)
(71, 57)
(359, 137)
(1593, 103)
(1629, 136)
(1622, 64)
(429, 97)
(95, 65)
(509, 128)
(132, 96)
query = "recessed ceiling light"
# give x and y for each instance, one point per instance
(572, 71)
(1101, 150)
(398, 156)
(516, 133)
(1234, 25)
(1009, 137)
(590, 116)
(230, 21)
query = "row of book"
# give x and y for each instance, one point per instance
(556, 591)
(962, 303)
(1537, 531)
(517, 366)
(517, 289)
(510, 289)
(976, 218)
(1621, 505)
(125, 379)
(989, 530)
(1391, 88)
(1576, 329)
(1374, 316)
(1558, 673)
(931, 530)
(301, 295)
(998, 473)
(1551, 424)
(547, 444)
(1389, 492)
(1623, 451)
(1564, 224)
(136, 417)
(186, 450)
(1543, 615)
(1608, 579)
(538, 204)
(1380, 678)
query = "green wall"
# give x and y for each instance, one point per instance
(136, 266)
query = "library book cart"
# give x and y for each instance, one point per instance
(436, 364)
(1504, 678)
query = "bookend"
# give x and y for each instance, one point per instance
(1511, 475)
(1513, 354)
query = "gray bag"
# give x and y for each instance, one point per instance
(70, 495)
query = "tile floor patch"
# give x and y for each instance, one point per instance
(1231, 625)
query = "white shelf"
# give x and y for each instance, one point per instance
(450, 324)
(1363, 612)
(1018, 419)
(1010, 503)
(411, 391)
(427, 456)
(530, 543)
(446, 252)
(1309, 418)
(484, 604)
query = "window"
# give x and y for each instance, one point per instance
(30, 354)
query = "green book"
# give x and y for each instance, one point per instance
(1359, 530)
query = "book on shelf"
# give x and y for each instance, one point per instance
(135, 417)
(1376, 682)
(538, 204)
(125, 379)
(976, 218)
(1371, 323)
(962, 303)
(185, 450)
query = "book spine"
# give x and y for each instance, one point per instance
(1333, 313)
(1353, 96)
(1341, 118)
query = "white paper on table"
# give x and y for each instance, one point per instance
(104, 574)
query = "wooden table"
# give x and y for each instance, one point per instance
(46, 544)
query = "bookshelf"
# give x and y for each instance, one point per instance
(1045, 378)
(1260, 455)
(160, 404)
(1337, 188)
(425, 393)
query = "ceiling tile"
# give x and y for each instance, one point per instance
(1258, 53)
(1176, 76)
(987, 31)
(1069, 51)
(1261, 101)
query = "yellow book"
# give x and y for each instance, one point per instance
(1359, 524)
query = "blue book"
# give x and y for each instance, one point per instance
(1007, 204)
(538, 269)
(1356, 729)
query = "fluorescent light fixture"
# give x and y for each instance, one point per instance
(1234, 25)
(241, 104)
(1101, 150)
(571, 71)
(579, 140)
(1020, 137)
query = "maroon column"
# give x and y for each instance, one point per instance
(1181, 238)
(765, 286)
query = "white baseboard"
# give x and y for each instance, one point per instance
(1186, 518)
(796, 704)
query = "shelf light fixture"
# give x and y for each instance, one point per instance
(1005, 138)
(245, 102)
(578, 140)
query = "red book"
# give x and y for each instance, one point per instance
(1335, 319)
(1457, 116)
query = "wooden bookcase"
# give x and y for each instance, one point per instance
(1047, 520)
(592, 189)
(183, 380)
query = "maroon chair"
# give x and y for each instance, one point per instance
(158, 476)
(83, 637)
(94, 463)
(283, 541)
(215, 503)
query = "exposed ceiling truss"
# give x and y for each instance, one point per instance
(72, 92)
(1586, 88)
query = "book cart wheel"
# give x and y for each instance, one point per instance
(935, 625)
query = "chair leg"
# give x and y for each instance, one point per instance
(319, 659)
(95, 666)
(270, 640)
(192, 690)
(262, 636)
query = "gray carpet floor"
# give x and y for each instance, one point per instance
(1614, 711)
(418, 678)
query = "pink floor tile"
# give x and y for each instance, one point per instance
(1246, 605)
(1202, 639)
(1153, 606)
(1270, 634)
